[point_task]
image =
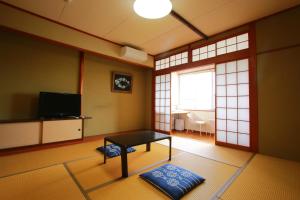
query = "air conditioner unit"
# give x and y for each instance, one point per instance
(134, 54)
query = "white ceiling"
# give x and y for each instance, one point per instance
(115, 20)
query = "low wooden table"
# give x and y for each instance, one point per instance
(125, 141)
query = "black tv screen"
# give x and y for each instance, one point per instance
(57, 105)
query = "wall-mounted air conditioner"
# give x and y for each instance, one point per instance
(134, 54)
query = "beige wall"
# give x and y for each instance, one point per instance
(25, 22)
(28, 66)
(279, 85)
(114, 112)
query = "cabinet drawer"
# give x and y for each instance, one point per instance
(19, 134)
(61, 130)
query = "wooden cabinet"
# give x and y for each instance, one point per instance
(19, 134)
(33, 132)
(61, 130)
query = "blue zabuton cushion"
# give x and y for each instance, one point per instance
(173, 180)
(113, 150)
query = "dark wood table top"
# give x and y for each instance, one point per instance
(136, 138)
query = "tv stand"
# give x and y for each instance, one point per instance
(17, 133)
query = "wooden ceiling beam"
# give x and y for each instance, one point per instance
(188, 24)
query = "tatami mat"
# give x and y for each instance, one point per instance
(222, 154)
(266, 178)
(216, 175)
(91, 172)
(50, 183)
(37, 159)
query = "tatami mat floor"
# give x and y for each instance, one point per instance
(208, 150)
(48, 184)
(266, 178)
(86, 170)
(215, 173)
(77, 172)
(22, 162)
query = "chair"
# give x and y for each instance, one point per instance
(192, 121)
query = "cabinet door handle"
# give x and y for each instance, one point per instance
(79, 129)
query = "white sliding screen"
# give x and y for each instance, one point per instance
(232, 103)
(163, 102)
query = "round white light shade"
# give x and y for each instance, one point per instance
(152, 9)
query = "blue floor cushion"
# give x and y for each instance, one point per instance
(173, 180)
(113, 150)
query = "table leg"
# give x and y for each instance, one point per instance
(124, 162)
(170, 148)
(200, 129)
(105, 150)
(148, 146)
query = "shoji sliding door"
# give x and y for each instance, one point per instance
(232, 103)
(163, 102)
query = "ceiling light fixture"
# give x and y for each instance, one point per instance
(152, 9)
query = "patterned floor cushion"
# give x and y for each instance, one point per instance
(173, 180)
(113, 150)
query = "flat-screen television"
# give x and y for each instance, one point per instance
(59, 105)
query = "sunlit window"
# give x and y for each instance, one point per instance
(196, 90)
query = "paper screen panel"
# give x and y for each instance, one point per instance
(231, 114)
(231, 90)
(231, 125)
(243, 45)
(232, 102)
(243, 127)
(231, 67)
(231, 48)
(244, 140)
(243, 89)
(221, 51)
(221, 113)
(178, 59)
(232, 97)
(229, 45)
(221, 136)
(242, 77)
(232, 137)
(243, 102)
(231, 78)
(162, 102)
(221, 102)
(221, 91)
(242, 65)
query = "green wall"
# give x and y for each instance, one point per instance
(278, 74)
(28, 66)
(110, 111)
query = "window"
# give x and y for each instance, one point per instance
(196, 90)
(229, 45)
(178, 59)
